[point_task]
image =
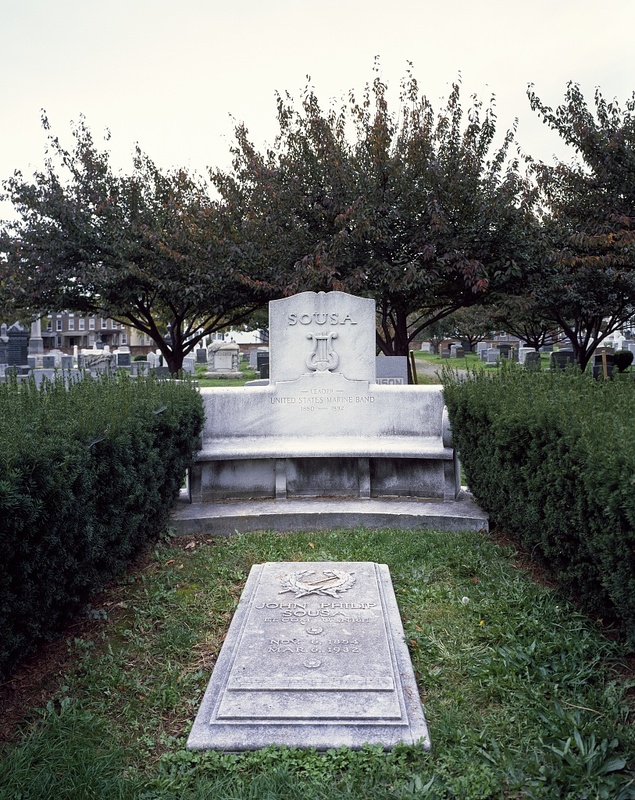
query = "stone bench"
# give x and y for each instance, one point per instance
(399, 446)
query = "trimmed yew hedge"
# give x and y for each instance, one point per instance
(88, 476)
(551, 458)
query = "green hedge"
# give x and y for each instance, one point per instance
(88, 475)
(551, 458)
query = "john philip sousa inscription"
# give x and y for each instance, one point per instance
(315, 657)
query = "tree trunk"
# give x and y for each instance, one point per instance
(174, 360)
(172, 355)
(402, 340)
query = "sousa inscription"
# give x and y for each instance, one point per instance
(320, 318)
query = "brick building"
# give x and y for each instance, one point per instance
(66, 330)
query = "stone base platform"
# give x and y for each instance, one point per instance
(221, 374)
(225, 518)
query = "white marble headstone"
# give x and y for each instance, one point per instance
(330, 332)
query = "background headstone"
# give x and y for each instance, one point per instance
(36, 343)
(223, 359)
(262, 358)
(491, 355)
(505, 350)
(561, 359)
(18, 345)
(139, 368)
(532, 360)
(4, 345)
(391, 370)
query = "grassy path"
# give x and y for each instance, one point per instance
(524, 696)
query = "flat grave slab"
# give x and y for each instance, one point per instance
(315, 656)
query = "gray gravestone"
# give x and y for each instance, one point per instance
(48, 362)
(201, 355)
(505, 350)
(492, 355)
(532, 360)
(561, 359)
(262, 359)
(4, 344)
(392, 370)
(315, 657)
(42, 375)
(223, 360)
(138, 368)
(253, 356)
(18, 345)
(97, 361)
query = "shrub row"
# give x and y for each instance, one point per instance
(88, 475)
(551, 458)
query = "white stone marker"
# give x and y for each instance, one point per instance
(315, 656)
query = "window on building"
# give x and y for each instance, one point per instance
(91, 323)
(58, 324)
(104, 323)
(82, 324)
(124, 338)
(71, 324)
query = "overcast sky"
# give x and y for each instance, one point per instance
(173, 74)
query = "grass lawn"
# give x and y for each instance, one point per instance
(247, 375)
(525, 697)
(469, 361)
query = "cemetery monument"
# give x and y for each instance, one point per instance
(322, 443)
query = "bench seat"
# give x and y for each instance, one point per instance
(245, 447)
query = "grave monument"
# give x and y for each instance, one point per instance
(222, 360)
(315, 657)
(322, 443)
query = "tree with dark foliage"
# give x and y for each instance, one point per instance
(418, 211)
(148, 249)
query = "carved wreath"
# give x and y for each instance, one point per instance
(331, 582)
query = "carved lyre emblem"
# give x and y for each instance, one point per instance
(323, 358)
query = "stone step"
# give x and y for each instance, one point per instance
(225, 518)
